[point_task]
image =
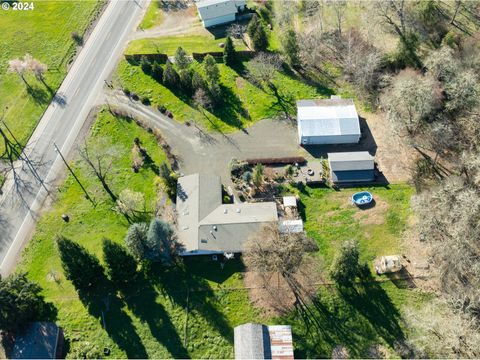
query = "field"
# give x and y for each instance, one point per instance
(169, 44)
(44, 33)
(244, 103)
(153, 16)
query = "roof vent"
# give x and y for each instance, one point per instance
(185, 212)
(185, 228)
(238, 211)
(225, 210)
(215, 227)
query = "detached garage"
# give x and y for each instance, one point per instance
(349, 167)
(327, 121)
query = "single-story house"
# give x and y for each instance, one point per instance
(327, 121)
(256, 341)
(206, 226)
(354, 166)
(216, 12)
(39, 340)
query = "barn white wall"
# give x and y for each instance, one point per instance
(219, 20)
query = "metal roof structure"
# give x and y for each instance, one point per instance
(351, 166)
(40, 340)
(256, 341)
(327, 117)
(211, 9)
(348, 161)
(205, 225)
(290, 201)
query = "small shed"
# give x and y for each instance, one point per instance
(291, 226)
(290, 201)
(327, 121)
(347, 167)
(256, 341)
(39, 340)
(217, 12)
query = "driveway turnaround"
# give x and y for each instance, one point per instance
(22, 200)
(210, 153)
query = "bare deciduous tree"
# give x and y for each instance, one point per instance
(131, 203)
(98, 156)
(275, 256)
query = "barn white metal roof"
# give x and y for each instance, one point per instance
(327, 117)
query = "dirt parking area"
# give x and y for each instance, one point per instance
(395, 159)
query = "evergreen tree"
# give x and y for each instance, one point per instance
(257, 34)
(181, 58)
(229, 52)
(20, 302)
(157, 72)
(186, 80)
(260, 40)
(81, 268)
(121, 266)
(170, 76)
(211, 69)
(160, 241)
(146, 65)
(290, 48)
(135, 240)
(253, 25)
(197, 81)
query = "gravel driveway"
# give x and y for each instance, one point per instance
(202, 152)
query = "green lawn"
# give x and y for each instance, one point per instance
(153, 16)
(169, 44)
(149, 321)
(45, 34)
(245, 103)
(330, 219)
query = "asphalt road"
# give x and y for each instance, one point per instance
(21, 201)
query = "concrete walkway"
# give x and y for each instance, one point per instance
(199, 151)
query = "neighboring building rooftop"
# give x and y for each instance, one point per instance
(205, 225)
(326, 117)
(256, 341)
(40, 340)
(210, 9)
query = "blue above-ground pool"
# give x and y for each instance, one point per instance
(362, 198)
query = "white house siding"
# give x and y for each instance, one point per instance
(331, 139)
(219, 20)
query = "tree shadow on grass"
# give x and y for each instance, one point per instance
(39, 95)
(179, 284)
(101, 301)
(104, 305)
(372, 301)
(231, 109)
(141, 300)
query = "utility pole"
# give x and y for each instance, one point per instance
(24, 156)
(73, 174)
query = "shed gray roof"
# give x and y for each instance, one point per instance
(207, 225)
(347, 161)
(38, 341)
(327, 117)
(211, 9)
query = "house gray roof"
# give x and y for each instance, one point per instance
(207, 225)
(211, 9)
(347, 161)
(256, 341)
(327, 117)
(39, 340)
